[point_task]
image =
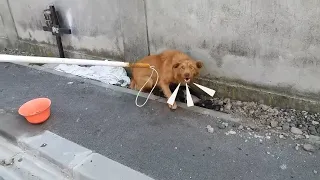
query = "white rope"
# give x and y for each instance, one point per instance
(155, 84)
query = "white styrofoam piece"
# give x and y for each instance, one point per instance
(189, 98)
(172, 98)
(105, 74)
(209, 91)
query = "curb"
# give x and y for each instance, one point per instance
(17, 164)
(55, 155)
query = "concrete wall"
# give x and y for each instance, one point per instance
(98, 27)
(272, 44)
(8, 33)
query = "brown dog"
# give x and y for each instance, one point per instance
(173, 66)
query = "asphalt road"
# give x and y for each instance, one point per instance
(153, 140)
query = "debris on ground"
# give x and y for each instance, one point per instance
(43, 145)
(105, 74)
(222, 126)
(283, 167)
(300, 122)
(231, 132)
(7, 162)
(308, 147)
(210, 129)
(281, 136)
(295, 130)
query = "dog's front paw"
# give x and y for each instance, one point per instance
(173, 107)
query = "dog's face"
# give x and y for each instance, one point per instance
(186, 70)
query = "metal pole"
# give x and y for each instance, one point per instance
(54, 60)
(55, 22)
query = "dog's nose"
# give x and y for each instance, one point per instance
(187, 75)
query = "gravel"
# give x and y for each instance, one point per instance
(288, 120)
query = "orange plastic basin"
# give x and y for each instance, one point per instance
(36, 111)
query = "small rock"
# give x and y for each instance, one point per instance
(226, 124)
(275, 112)
(295, 130)
(228, 106)
(231, 132)
(314, 139)
(315, 172)
(308, 147)
(70, 83)
(264, 107)
(274, 123)
(222, 126)
(43, 145)
(240, 127)
(238, 103)
(312, 130)
(210, 129)
(307, 136)
(298, 136)
(286, 126)
(281, 136)
(226, 100)
(297, 147)
(314, 122)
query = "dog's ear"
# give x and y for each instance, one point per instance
(199, 64)
(176, 65)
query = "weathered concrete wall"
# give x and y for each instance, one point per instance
(8, 33)
(96, 25)
(270, 43)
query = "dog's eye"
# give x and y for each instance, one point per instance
(182, 67)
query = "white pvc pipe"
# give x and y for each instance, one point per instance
(54, 60)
